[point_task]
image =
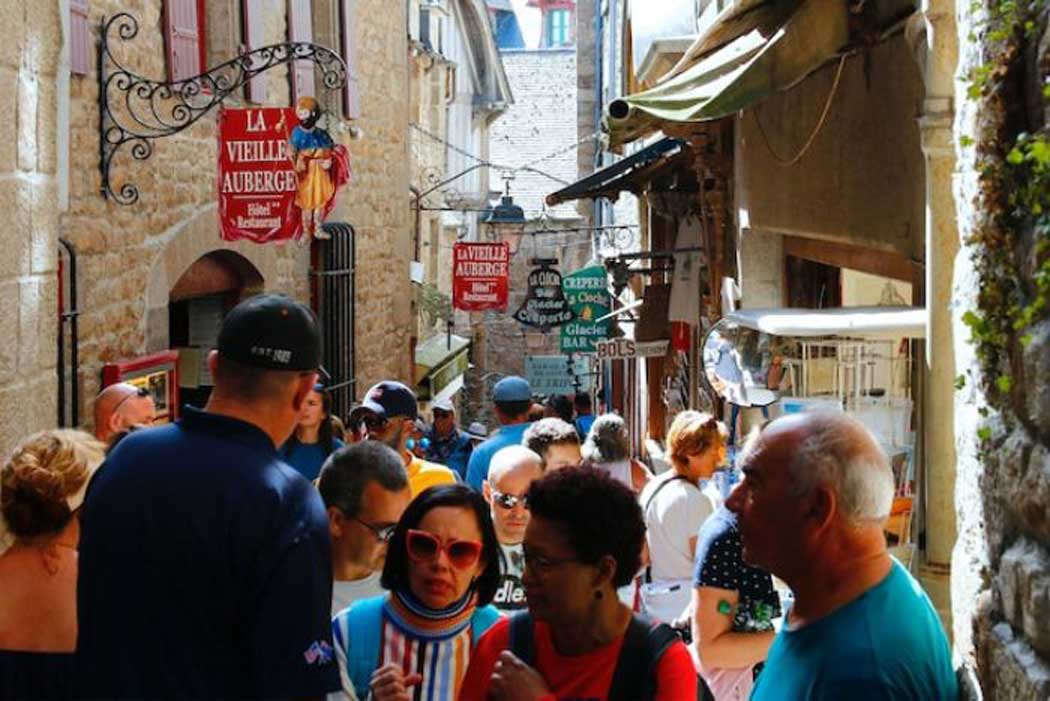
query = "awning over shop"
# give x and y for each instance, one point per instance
(441, 362)
(627, 174)
(753, 49)
(851, 322)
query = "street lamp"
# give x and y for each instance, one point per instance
(506, 221)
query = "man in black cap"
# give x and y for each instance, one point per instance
(205, 563)
(390, 418)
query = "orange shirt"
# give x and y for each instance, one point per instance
(586, 676)
(423, 474)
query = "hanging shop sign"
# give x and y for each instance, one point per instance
(480, 274)
(626, 349)
(545, 306)
(587, 294)
(279, 172)
(553, 374)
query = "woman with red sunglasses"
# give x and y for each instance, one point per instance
(442, 570)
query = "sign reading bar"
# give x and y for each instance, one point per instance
(261, 175)
(625, 349)
(549, 374)
(545, 305)
(588, 296)
(480, 274)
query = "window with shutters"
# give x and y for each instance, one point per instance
(253, 31)
(300, 28)
(80, 44)
(184, 38)
(348, 42)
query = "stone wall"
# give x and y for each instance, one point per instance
(1001, 561)
(129, 257)
(30, 64)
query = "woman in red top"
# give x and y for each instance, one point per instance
(584, 540)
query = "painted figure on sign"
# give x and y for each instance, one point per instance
(321, 166)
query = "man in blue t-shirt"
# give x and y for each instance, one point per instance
(817, 489)
(205, 561)
(512, 397)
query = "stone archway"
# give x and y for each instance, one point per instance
(189, 242)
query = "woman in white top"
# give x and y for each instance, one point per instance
(675, 505)
(608, 448)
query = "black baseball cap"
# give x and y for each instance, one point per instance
(271, 331)
(391, 398)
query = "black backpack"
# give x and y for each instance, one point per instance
(635, 676)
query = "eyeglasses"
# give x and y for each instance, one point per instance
(509, 501)
(441, 414)
(382, 533)
(542, 564)
(374, 422)
(425, 547)
(139, 392)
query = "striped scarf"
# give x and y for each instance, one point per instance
(436, 644)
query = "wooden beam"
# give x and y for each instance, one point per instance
(841, 255)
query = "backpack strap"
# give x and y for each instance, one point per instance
(364, 625)
(521, 640)
(644, 644)
(482, 620)
(652, 497)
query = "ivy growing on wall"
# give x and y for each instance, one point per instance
(1013, 160)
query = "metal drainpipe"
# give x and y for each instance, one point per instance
(596, 215)
(74, 359)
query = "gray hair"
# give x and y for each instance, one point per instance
(840, 452)
(348, 471)
(607, 441)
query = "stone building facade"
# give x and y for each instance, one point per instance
(130, 259)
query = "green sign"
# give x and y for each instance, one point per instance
(587, 292)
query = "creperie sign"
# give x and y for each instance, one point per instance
(480, 274)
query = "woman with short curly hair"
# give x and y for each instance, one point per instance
(41, 489)
(608, 448)
(584, 539)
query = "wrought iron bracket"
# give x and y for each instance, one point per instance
(136, 111)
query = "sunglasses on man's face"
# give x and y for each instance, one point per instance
(374, 422)
(509, 501)
(139, 392)
(441, 414)
(425, 547)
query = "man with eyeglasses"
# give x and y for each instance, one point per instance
(365, 490)
(448, 445)
(389, 417)
(511, 472)
(121, 406)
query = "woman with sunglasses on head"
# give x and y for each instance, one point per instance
(577, 640)
(442, 570)
(42, 487)
(675, 505)
(312, 442)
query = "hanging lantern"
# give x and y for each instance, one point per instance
(506, 221)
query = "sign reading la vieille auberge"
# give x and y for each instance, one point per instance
(480, 276)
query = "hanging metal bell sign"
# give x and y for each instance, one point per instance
(545, 306)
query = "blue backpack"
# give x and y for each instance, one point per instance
(363, 628)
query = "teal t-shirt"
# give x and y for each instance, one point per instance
(887, 644)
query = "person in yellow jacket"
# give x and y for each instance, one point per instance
(389, 414)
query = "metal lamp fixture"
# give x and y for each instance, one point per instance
(506, 221)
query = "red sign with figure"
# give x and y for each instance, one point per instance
(261, 173)
(480, 276)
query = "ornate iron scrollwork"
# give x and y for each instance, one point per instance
(136, 111)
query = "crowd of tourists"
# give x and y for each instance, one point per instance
(261, 547)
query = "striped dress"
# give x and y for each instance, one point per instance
(435, 644)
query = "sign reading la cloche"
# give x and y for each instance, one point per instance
(545, 305)
(278, 173)
(587, 293)
(480, 273)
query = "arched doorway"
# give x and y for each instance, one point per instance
(197, 304)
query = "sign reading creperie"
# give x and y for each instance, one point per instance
(480, 276)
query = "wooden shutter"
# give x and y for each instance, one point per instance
(252, 14)
(348, 31)
(300, 28)
(79, 37)
(182, 38)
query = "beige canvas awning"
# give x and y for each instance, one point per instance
(754, 49)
